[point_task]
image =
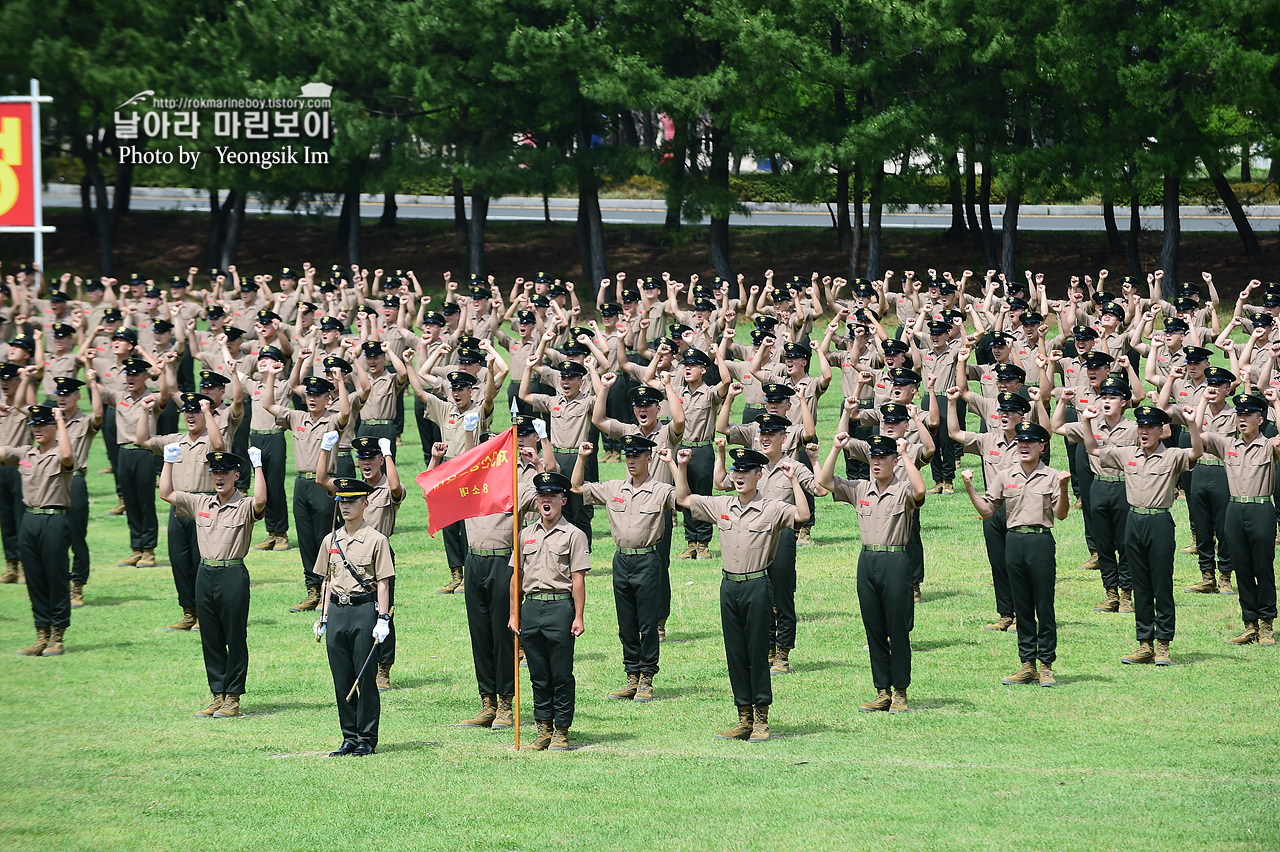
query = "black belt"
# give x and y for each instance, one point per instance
(266, 431)
(549, 596)
(1250, 499)
(742, 578)
(1138, 510)
(350, 600)
(132, 447)
(499, 552)
(377, 422)
(47, 510)
(1029, 528)
(637, 551)
(885, 548)
(223, 563)
(307, 474)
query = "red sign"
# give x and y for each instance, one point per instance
(17, 167)
(472, 485)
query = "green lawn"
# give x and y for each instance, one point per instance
(101, 751)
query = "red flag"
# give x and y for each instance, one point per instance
(477, 483)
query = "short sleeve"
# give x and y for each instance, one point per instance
(845, 490)
(1074, 431)
(579, 556)
(184, 502)
(995, 489)
(1112, 456)
(972, 442)
(321, 568)
(538, 401)
(383, 565)
(594, 493)
(702, 508)
(1215, 443)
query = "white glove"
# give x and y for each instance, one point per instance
(318, 628)
(329, 441)
(172, 452)
(381, 630)
(255, 457)
(540, 427)
(384, 444)
(471, 421)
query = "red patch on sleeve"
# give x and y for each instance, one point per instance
(1133, 464)
(24, 463)
(1232, 453)
(864, 502)
(618, 500)
(557, 408)
(204, 514)
(993, 452)
(724, 517)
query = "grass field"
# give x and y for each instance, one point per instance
(100, 750)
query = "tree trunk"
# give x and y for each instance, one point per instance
(1172, 234)
(460, 229)
(844, 231)
(479, 216)
(344, 219)
(648, 125)
(1246, 166)
(721, 204)
(873, 222)
(101, 214)
(217, 228)
(1135, 231)
(123, 191)
(957, 196)
(675, 184)
(627, 129)
(389, 207)
(86, 206)
(590, 223)
(1232, 203)
(1109, 221)
(1009, 230)
(233, 214)
(855, 245)
(971, 200)
(984, 209)
(353, 224)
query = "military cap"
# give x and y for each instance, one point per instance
(610, 309)
(570, 369)
(903, 376)
(645, 395)
(128, 335)
(1084, 332)
(557, 290)
(9, 370)
(433, 318)
(1265, 320)
(1271, 300)
(1176, 325)
(1032, 318)
(1103, 297)
(774, 392)
(1149, 415)
(468, 355)
(288, 272)
(191, 401)
(39, 415)
(135, 366)
(999, 338)
(893, 346)
(233, 332)
(1094, 359)
(333, 362)
(881, 445)
(210, 379)
(1012, 402)
(112, 315)
(349, 490)
(939, 327)
(1219, 376)
(759, 335)
(772, 423)
(538, 300)
(1250, 403)
(1189, 288)
(216, 312)
(1032, 432)
(265, 316)
(634, 445)
(1115, 309)
(745, 459)
(371, 349)
(390, 300)
(1010, 373)
(552, 483)
(1184, 303)
(332, 324)
(317, 385)
(696, 357)
(1115, 386)
(461, 379)
(62, 329)
(60, 296)
(524, 424)
(525, 317)
(1196, 353)
(95, 285)
(271, 353)
(366, 447)
(649, 284)
(152, 293)
(766, 322)
(65, 385)
(307, 307)
(797, 350)
(1016, 304)
(894, 412)
(162, 326)
(630, 297)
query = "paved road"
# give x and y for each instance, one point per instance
(644, 212)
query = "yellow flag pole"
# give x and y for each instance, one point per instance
(515, 577)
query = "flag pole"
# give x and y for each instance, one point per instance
(515, 577)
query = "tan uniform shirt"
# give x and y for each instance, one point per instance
(941, 364)
(13, 427)
(748, 435)
(662, 437)
(191, 472)
(748, 534)
(381, 404)
(380, 513)
(775, 485)
(1028, 497)
(449, 418)
(496, 532)
(699, 413)
(80, 430)
(996, 451)
(307, 434)
(1251, 467)
(367, 552)
(1149, 480)
(58, 365)
(1123, 434)
(45, 482)
(635, 513)
(570, 418)
(261, 420)
(550, 557)
(228, 423)
(128, 410)
(884, 516)
(223, 531)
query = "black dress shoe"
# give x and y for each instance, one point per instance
(362, 750)
(345, 749)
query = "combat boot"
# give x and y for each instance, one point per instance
(804, 538)
(230, 708)
(1126, 600)
(1003, 624)
(218, 698)
(1266, 632)
(505, 716)
(311, 602)
(188, 620)
(742, 730)
(54, 648)
(627, 692)
(10, 574)
(773, 653)
(1144, 654)
(1248, 636)
(881, 702)
(704, 552)
(455, 582)
(1046, 675)
(559, 739)
(1190, 548)
(131, 560)
(268, 544)
(543, 739)
(1092, 563)
(77, 595)
(1207, 585)
(644, 692)
(1224, 583)
(488, 712)
(662, 630)
(1162, 653)
(782, 662)
(1026, 674)
(936, 489)
(42, 642)
(760, 729)
(118, 509)
(948, 488)
(22, 574)
(384, 677)
(1112, 603)
(899, 702)
(915, 593)
(690, 552)
(147, 559)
